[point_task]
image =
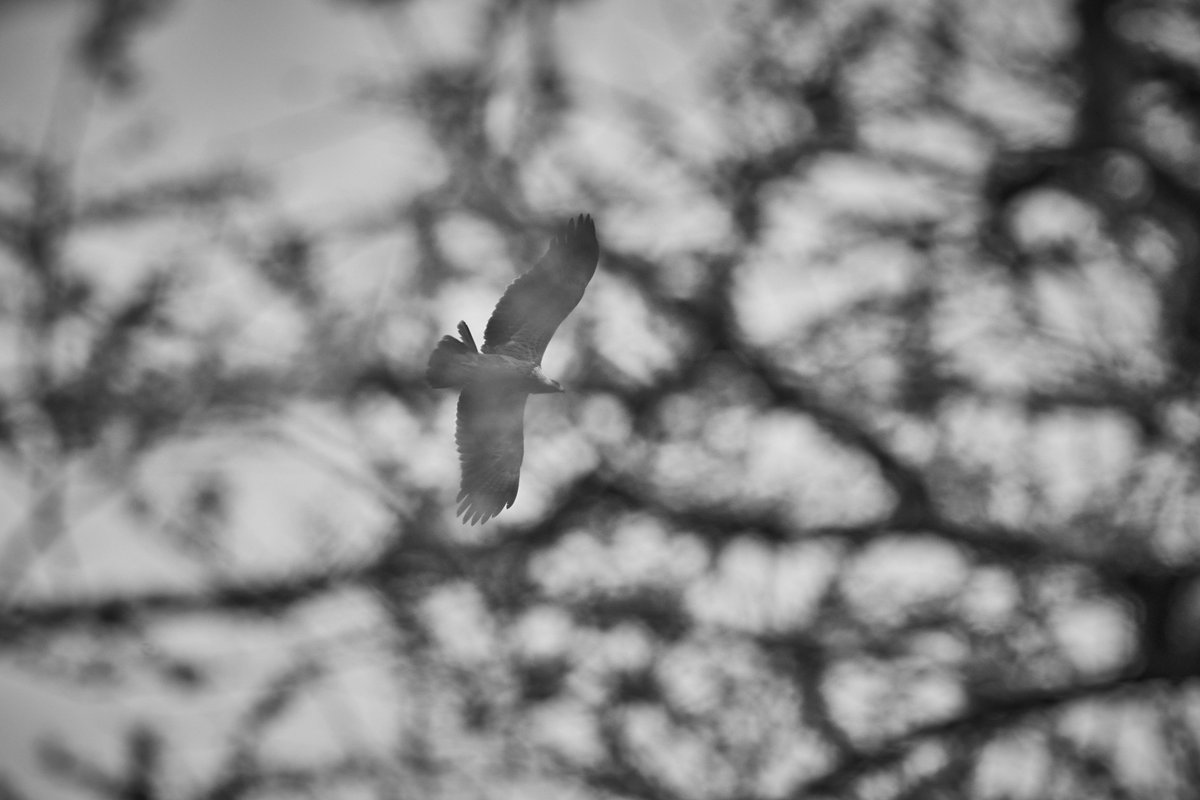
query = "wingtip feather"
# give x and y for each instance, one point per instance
(582, 223)
(481, 505)
(579, 235)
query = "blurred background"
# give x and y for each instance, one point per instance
(878, 472)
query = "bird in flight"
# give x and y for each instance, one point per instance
(496, 379)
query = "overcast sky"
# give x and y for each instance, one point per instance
(276, 84)
(272, 84)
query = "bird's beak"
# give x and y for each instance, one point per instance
(545, 385)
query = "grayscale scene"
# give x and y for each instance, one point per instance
(835, 433)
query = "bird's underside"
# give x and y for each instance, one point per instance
(495, 380)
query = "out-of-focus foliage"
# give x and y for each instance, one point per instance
(876, 476)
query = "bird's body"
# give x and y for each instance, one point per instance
(496, 379)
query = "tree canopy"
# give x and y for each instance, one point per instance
(876, 475)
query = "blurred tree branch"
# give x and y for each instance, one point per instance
(129, 612)
(1001, 535)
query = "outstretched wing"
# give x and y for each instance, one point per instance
(491, 445)
(536, 303)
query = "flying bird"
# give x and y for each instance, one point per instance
(496, 379)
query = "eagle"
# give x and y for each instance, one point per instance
(496, 379)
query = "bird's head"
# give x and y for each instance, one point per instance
(543, 385)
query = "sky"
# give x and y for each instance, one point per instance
(274, 84)
(271, 84)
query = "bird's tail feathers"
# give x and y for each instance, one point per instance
(467, 338)
(451, 364)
